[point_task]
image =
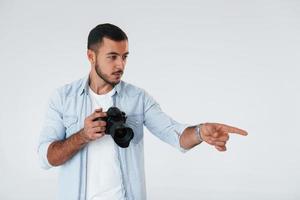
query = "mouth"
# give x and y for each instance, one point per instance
(117, 73)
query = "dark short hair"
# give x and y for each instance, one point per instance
(107, 30)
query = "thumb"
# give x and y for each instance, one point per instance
(98, 110)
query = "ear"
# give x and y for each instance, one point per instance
(91, 56)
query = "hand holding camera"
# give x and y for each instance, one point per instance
(93, 128)
(112, 122)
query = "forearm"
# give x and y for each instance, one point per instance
(61, 151)
(188, 138)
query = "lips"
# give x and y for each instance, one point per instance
(117, 73)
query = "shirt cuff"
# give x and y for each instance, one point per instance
(42, 152)
(180, 131)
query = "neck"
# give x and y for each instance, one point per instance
(98, 85)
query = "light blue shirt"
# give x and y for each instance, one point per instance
(71, 104)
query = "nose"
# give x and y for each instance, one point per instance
(121, 63)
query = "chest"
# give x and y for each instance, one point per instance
(76, 109)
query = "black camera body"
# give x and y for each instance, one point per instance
(117, 128)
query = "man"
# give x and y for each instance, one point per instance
(92, 165)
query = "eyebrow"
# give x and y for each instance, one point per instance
(115, 53)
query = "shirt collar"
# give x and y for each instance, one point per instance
(84, 88)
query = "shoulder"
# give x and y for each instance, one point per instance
(73, 88)
(68, 90)
(131, 90)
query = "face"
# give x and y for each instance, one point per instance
(110, 60)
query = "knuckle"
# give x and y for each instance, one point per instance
(98, 123)
(100, 114)
(215, 134)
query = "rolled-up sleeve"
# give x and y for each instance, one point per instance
(161, 125)
(52, 129)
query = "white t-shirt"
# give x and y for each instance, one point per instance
(104, 178)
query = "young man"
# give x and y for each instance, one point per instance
(92, 165)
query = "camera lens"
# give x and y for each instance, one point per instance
(120, 133)
(117, 128)
(122, 136)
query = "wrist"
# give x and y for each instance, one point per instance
(83, 136)
(198, 133)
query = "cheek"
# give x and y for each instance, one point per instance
(102, 64)
(107, 68)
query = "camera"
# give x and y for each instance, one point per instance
(116, 127)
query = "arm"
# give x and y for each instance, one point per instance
(161, 125)
(53, 147)
(182, 136)
(61, 151)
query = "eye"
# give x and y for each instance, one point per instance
(125, 57)
(113, 57)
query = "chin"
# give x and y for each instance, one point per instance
(115, 82)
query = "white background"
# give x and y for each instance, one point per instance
(235, 62)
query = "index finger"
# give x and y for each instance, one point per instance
(232, 129)
(98, 113)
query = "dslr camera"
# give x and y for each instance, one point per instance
(116, 127)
